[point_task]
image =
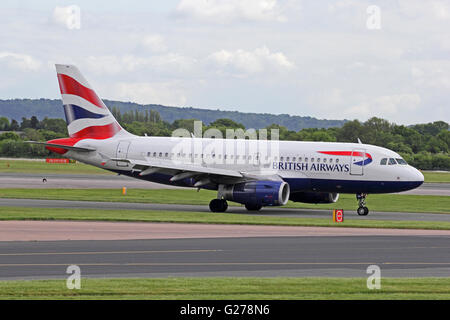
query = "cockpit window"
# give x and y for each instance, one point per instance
(401, 161)
(383, 161)
(392, 161)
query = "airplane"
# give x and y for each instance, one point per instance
(252, 172)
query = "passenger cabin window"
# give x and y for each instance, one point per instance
(392, 161)
(383, 161)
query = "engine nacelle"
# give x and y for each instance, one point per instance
(314, 197)
(258, 193)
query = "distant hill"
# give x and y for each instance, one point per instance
(52, 108)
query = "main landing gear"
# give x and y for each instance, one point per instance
(362, 209)
(221, 205)
(218, 205)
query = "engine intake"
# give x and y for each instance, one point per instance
(314, 197)
(258, 193)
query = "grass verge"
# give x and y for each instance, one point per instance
(19, 213)
(376, 202)
(436, 177)
(229, 289)
(27, 166)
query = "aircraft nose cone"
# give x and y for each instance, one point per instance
(420, 176)
(416, 178)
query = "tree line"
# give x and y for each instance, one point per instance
(425, 146)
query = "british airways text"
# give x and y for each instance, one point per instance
(324, 167)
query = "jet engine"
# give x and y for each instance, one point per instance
(257, 194)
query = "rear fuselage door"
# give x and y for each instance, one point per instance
(357, 162)
(122, 153)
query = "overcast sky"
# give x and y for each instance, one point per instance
(326, 59)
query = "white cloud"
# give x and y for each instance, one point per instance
(396, 104)
(438, 9)
(19, 61)
(154, 42)
(228, 10)
(165, 63)
(432, 74)
(166, 93)
(398, 107)
(241, 62)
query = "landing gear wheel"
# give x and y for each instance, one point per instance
(218, 205)
(362, 211)
(251, 207)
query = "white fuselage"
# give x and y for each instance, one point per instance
(305, 166)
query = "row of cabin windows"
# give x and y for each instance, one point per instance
(237, 157)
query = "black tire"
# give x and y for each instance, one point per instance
(361, 211)
(366, 211)
(250, 207)
(218, 205)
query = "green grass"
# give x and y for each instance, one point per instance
(28, 166)
(25, 213)
(438, 177)
(376, 202)
(229, 289)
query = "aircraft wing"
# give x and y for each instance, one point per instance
(184, 169)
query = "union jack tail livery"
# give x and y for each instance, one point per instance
(86, 115)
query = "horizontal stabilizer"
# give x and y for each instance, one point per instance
(62, 146)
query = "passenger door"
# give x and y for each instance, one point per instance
(357, 161)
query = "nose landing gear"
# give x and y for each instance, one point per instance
(362, 209)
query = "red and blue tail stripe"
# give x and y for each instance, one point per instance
(69, 85)
(366, 161)
(74, 112)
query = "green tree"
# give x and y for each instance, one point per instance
(4, 124)
(9, 136)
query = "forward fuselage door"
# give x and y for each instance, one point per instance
(357, 162)
(122, 153)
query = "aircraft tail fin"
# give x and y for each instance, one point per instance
(87, 116)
